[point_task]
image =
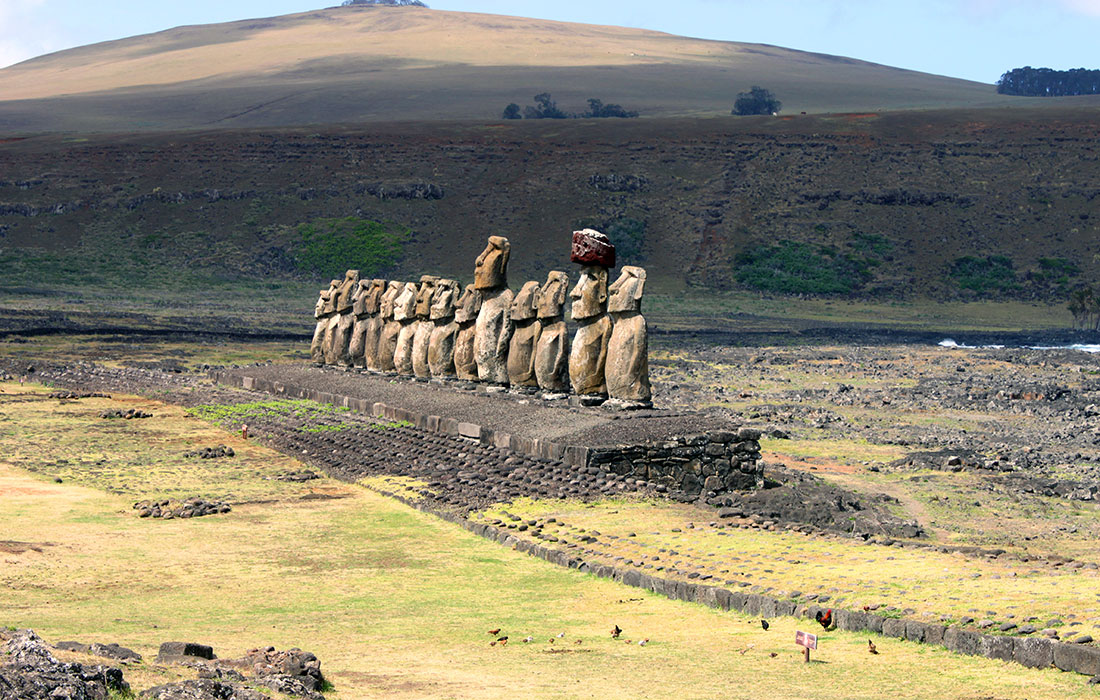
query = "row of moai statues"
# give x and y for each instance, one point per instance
(434, 329)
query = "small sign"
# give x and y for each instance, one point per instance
(805, 639)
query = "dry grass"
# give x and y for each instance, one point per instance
(397, 603)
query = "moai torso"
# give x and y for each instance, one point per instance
(372, 330)
(466, 312)
(391, 328)
(404, 312)
(424, 325)
(525, 335)
(494, 320)
(441, 343)
(552, 347)
(357, 345)
(627, 370)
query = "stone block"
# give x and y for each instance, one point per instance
(433, 424)
(748, 434)
(893, 627)
(174, 652)
(248, 382)
(469, 430)
(995, 647)
(447, 426)
(722, 436)
(502, 440)
(1077, 657)
(738, 601)
(874, 623)
(850, 620)
(722, 598)
(1034, 652)
(962, 641)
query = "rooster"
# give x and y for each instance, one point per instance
(616, 632)
(764, 625)
(871, 647)
(825, 619)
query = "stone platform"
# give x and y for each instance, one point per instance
(685, 452)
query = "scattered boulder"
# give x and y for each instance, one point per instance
(69, 395)
(203, 689)
(304, 475)
(107, 651)
(29, 671)
(174, 652)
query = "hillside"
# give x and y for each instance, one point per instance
(893, 201)
(356, 64)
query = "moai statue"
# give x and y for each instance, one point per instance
(404, 312)
(424, 325)
(494, 320)
(588, 354)
(356, 347)
(525, 336)
(321, 312)
(441, 344)
(466, 312)
(552, 349)
(387, 338)
(340, 341)
(628, 350)
(373, 330)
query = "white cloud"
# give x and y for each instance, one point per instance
(1085, 7)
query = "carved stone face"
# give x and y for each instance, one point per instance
(424, 295)
(404, 307)
(348, 288)
(374, 291)
(443, 301)
(626, 292)
(526, 302)
(590, 294)
(491, 267)
(468, 305)
(552, 295)
(330, 300)
(386, 305)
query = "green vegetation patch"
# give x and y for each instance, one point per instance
(793, 267)
(318, 417)
(991, 274)
(330, 246)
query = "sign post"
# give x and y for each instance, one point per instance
(807, 641)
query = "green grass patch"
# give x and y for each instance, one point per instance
(794, 267)
(331, 246)
(988, 275)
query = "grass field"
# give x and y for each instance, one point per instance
(395, 602)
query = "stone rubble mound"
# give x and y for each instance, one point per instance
(127, 414)
(292, 672)
(210, 452)
(29, 671)
(78, 395)
(190, 508)
(107, 651)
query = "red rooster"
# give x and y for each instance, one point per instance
(826, 618)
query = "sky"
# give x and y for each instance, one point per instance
(972, 39)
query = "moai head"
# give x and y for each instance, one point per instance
(552, 295)
(491, 267)
(374, 291)
(525, 305)
(348, 287)
(468, 305)
(404, 306)
(424, 295)
(386, 305)
(443, 301)
(626, 292)
(590, 294)
(319, 307)
(590, 247)
(330, 300)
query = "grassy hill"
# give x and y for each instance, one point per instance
(356, 64)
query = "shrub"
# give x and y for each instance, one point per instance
(792, 267)
(756, 101)
(512, 111)
(993, 273)
(330, 246)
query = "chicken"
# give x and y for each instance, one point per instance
(871, 647)
(764, 624)
(616, 632)
(495, 632)
(825, 619)
(528, 639)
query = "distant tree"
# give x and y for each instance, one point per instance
(1044, 82)
(756, 101)
(391, 3)
(544, 108)
(598, 110)
(512, 111)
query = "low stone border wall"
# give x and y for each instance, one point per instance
(1033, 652)
(717, 461)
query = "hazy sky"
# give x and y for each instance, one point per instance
(975, 39)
